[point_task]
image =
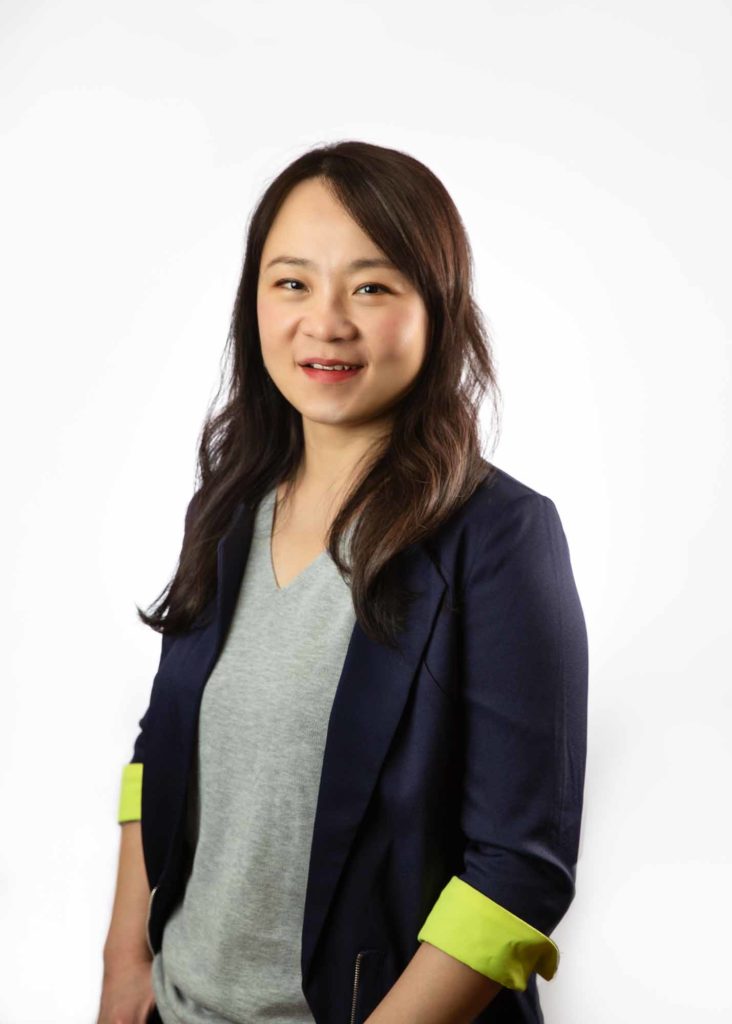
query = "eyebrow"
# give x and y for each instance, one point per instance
(363, 264)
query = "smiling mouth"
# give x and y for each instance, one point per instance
(337, 366)
(316, 373)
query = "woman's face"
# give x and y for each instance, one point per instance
(322, 307)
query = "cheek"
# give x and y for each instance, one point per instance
(401, 341)
(274, 329)
(265, 316)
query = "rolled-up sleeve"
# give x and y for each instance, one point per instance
(524, 694)
(130, 793)
(129, 804)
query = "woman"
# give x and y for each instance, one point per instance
(356, 791)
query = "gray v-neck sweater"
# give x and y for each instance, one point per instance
(231, 947)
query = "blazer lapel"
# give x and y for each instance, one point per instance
(370, 697)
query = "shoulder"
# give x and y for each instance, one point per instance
(498, 491)
(498, 497)
(503, 514)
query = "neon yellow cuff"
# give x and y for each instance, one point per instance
(470, 926)
(130, 794)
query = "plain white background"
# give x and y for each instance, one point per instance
(588, 148)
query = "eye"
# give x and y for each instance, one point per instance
(292, 280)
(374, 286)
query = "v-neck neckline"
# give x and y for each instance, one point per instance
(270, 531)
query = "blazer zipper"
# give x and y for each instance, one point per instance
(147, 920)
(355, 987)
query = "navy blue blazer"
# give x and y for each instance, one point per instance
(461, 754)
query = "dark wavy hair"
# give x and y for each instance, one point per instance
(430, 463)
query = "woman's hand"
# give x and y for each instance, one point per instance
(127, 993)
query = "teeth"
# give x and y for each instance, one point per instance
(339, 366)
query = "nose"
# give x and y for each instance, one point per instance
(325, 320)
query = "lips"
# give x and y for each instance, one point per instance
(331, 376)
(329, 362)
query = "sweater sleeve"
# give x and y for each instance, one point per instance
(129, 805)
(524, 690)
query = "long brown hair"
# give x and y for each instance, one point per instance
(431, 462)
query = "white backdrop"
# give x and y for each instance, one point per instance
(588, 148)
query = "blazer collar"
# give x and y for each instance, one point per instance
(369, 700)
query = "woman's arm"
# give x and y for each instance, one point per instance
(126, 939)
(434, 988)
(127, 993)
(523, 686)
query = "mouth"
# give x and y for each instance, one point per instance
(330, 376)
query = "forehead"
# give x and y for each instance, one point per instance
(313, 221)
